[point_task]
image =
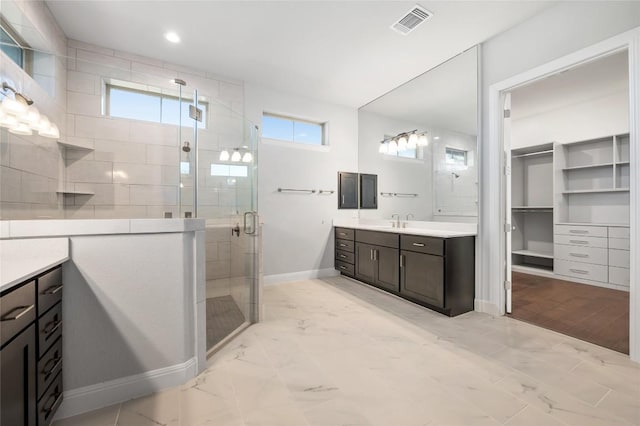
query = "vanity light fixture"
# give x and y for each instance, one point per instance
(224, 155)
(18, 114)
(236, 156)
(403, 141)
(247, 157)
(172, 37)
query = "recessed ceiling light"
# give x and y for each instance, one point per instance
(172, 37)
(437, 137)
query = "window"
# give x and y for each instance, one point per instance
(293, 130)
(135, 104)
(11, 47)
(229, 170)
(456, 157)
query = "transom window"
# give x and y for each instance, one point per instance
(294, 130)
(456, 157)
(11, 47)
(157, 107)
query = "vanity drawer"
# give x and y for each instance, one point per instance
(49, 328)
(345, 234)
(49, 367)
(594, 255)
(420, 244)
(575, 240)
(49, 290)
(619, 232)
(17, 311)
(50, 402)
(385, 239)
(584, 271)
(345, 245)
(345, 256)
(619, 243)
(619, 258)
(619, 276)
(590, 231)
(346, 268)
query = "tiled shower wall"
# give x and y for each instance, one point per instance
(134, 165)
(31, 167)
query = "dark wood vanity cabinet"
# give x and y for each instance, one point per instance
(438, 273)
(368, 191)
(31, 353)
(347, 190)
(344, 250)
(377, 259)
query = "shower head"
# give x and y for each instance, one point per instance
(186, 147)
(26, 99)
(179, 81)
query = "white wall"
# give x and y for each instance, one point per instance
(555, 32)
(297, 233)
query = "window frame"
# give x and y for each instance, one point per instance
(448, 149)
(25, 49)
(324, 128)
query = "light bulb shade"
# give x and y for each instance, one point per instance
(247, 157)
(31, 116)
(21, 129)
(224, 155)
(42, 125)
(383, 148)
(402, 143)
(423, 140)
(14, 106)
(236, 156)
(413, 141)
(393, 147)
(7, 120)
(52, 132)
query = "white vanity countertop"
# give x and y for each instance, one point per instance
(430, 229)
(22, 259)
(69, 227)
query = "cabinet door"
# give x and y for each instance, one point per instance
(368, 191)
(422, 277)
(18, 380)
(347, 190)
(365, 266)
(387, 263)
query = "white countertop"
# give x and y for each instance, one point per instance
(430, 229)
(69, 227)
(23, 259)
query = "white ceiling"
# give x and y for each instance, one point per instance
(338, 51)
(444, 97)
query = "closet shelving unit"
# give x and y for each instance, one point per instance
(592, 181)
(532, 208)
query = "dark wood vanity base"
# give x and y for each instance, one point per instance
(437, 273)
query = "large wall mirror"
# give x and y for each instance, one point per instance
(421, 141)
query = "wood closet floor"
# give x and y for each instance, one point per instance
(594, 314)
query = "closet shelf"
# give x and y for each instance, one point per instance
(70, 145)
(589, 166)
(596, 191)
(532, 253)
(532, 209)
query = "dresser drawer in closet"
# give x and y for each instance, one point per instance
(589, 231)
(584, 254)
(619, 258)
(17, 311)
(585, 271)
(575, 240)
(619, 276)
(345, 245)
(619, 232)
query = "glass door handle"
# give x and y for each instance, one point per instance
(250, 229)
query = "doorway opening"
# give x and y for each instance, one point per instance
(567, 198)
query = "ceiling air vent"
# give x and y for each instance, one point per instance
(409, 22)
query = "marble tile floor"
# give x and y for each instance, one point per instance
(336, 352)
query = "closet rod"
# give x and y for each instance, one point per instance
(533, 153)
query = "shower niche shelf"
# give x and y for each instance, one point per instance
(74, 192)
(71, 145)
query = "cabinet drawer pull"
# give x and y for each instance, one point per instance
(51, 326)
(401, 261)
(418, 244)
(342, 256)
(579, 255)
(56, 363)
(21, 311)
(52, 290)
(578, 231)
(578, 242)
(342, 245)
(56, 398)
(375, 254)
(579, 271)
(370, 254)
(343, 234)
(343, 267)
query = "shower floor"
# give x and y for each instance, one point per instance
(223, 317)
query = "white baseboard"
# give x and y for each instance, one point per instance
(486, 307)
(300, 276)
(88, 398)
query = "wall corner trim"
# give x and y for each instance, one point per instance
(88, 398)
(487, 307)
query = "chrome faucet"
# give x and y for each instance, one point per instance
(410, 214)
(397, 223)
(404, 225)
